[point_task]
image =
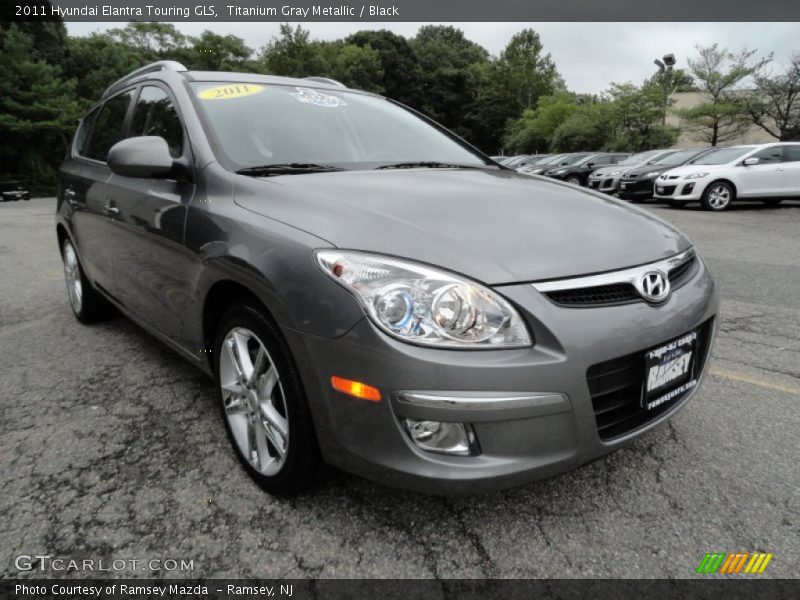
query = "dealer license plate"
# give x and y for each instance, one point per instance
(660, 190)
(623, 185)
(669, 371)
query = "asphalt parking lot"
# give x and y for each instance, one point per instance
(112, 448)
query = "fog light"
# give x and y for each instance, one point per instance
(445, 438)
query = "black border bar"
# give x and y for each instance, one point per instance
(405, 10)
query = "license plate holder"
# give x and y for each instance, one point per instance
(669, 370)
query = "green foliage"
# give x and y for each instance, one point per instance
(38, 111)
(589, 128)
(717, 74)
(534, 130)
(401, 74)
(636, 118)
(212, 52)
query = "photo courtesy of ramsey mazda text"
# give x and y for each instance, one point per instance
(330, 258)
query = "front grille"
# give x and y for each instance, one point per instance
(616, 385)
(601, 295)
(629, 177)
(607, 183)
(679, 275)
(617, 293)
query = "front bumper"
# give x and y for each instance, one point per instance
(553, 430)
(607, 184)
(679, 189)
(635, 188)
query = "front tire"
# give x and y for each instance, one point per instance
(718, 196)
(574, 180)
(263, 404)
(87, 304)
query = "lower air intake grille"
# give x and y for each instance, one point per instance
(616, 390)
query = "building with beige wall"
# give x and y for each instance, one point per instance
(752, 135)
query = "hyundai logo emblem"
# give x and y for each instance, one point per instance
(654, 286)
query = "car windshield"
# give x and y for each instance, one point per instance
(677, 158)
(553, 159)
(639, 158)
(257, 125)
(721, 157)
(575, 159)
(580, 159)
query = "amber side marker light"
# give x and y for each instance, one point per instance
(356, 389)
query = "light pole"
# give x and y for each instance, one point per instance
(665, 68)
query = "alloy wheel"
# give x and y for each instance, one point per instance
(719, 197)
(254, 401)
(72, 274)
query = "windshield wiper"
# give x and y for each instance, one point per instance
(287, 169)
(427, 164)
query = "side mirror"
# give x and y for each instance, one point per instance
(146, 156)
(750, 161)
(590, 165)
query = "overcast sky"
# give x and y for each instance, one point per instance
(588, 55)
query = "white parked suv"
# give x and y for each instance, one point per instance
(768, 172)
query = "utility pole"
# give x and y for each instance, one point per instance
(665, 68)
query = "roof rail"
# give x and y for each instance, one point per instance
(326, 80)
(161, 65)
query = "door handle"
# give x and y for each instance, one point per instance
(111, 210)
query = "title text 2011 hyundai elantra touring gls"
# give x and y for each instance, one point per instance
(368, 290)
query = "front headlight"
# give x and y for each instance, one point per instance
(696, 175)
(419, 304)
(559, 172)
(615, 173)
(652, 174)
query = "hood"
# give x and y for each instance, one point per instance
(644, 169)
(495, 226)
(689, 169)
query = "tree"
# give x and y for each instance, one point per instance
(213, 52)
(447, 59)
(38, 112)
(775, 104)
(357, 67)
(717, 74)
(533, 131)
(589, 128)
(677, 81)
(401, 77)
(636, 118)
(97, 60)
(292, 53)
(527, 72)
(153, 40)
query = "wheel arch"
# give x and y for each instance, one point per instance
(722, 180)
(220, 297)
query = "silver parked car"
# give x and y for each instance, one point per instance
(368, 290)
(607, 179)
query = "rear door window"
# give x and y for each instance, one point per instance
(109, 127)
(793, 153)
(156, 115)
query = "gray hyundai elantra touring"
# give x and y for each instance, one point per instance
(371, 292)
